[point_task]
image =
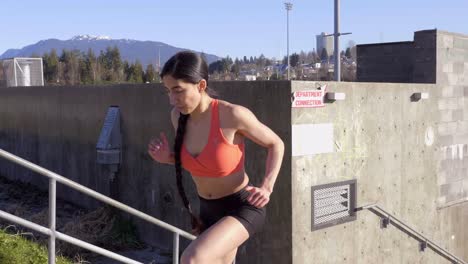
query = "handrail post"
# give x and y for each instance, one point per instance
(175, 249)
(52, 213)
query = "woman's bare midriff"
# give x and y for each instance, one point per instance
(217, 187)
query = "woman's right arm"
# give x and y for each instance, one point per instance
(159, 148)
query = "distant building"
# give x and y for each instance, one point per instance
(249, 77)
(324, 42)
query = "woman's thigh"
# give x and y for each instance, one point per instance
(219, 240)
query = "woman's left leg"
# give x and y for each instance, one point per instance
(217, 244)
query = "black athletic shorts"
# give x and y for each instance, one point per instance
(235, 205)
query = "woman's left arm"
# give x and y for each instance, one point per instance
(253, 129)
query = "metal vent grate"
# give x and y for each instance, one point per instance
(333, 204)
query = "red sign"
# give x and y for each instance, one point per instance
(310, 98)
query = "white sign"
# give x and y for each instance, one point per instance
(309, 98)
(310, 139)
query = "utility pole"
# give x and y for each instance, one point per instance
(288, 7)
(336, 35)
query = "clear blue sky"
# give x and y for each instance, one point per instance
(234, 28)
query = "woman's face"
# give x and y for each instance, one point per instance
(183, 95)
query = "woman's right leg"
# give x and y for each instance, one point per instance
(218, 244)
(230, 257)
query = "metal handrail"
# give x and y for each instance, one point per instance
(387, 218)
(61, 236)
(53, 234)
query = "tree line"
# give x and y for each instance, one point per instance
(75, 67)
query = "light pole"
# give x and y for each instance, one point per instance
(288, 8)
(337, 35)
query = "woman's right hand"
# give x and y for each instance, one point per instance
(158, 149)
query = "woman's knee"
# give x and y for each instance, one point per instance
(193, 256)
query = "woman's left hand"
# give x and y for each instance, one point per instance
(258, 197)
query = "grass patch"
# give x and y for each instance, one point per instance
(15, 249)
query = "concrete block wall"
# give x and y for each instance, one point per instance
(424, 56)
(399, 62)
(452, 123)
(392, 62)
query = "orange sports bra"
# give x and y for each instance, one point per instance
(219, 157)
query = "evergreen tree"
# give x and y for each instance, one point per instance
(51, 63)
(101, 65)
(324, 55)
(226, 64)
(111, 62)
(70, 62)
(261, 61)
(348, 53)
(137, 73)
(220, 66)
(150, 74)
(303, 57)
(86, 70)
(215, 67)
(116, 64)
(294, 60)
(92, 62)
(235, 69)
(127, 71)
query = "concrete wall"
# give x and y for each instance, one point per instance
(58, 127)
(391, 155)
(382, 139)
(399, 62)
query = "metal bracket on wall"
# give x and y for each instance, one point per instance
(384, 222)
(422, 246)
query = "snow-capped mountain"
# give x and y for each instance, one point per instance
(90, 37)
(131, 50)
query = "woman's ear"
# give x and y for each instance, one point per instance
(202, 85)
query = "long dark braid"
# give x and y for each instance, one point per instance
(192, 68)
(182, 123)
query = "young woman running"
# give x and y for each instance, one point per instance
(209, 143)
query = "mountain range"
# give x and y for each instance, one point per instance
(130, 50)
